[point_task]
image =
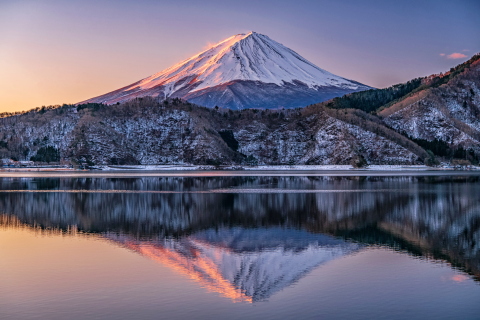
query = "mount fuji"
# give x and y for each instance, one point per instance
(244, 71)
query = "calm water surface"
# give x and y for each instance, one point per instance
(238, 247)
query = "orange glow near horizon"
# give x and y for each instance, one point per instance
(55, 52)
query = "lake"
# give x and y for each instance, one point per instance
(209, 245)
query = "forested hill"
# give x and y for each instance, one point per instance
(145, 131)
(374, 99)
(441, 113)
(425, 120)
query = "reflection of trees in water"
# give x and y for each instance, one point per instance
(180, 212)
(436, 216)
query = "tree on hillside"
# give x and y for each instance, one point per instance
(47, 154)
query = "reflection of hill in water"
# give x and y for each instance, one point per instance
(243, 264)
(438, 217)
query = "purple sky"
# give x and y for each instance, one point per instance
(54, 52)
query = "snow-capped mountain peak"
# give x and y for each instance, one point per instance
(250, 57)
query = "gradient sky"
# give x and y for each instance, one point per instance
(55, 52)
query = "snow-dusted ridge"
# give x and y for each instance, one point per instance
(251, 57)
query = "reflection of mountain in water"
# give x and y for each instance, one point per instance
(434, 216)
(243, 264)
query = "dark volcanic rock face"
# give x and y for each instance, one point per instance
(236, 95)
(241, 94)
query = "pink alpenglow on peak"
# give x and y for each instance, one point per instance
(243, 71)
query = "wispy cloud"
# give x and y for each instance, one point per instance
(442, 54)
(456, 55)
(465, 50)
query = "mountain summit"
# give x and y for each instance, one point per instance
(244, 71)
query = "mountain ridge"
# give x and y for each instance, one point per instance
(426, 120)
(440, 112)
(265, 66)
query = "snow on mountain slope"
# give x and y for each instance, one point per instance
(250, 57)
(449, 113)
